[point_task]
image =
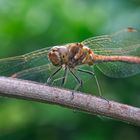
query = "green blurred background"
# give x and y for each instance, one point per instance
(27, 25)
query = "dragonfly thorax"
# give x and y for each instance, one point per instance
(71, 55)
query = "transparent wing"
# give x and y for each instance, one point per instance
(12, 65)
(38, 73)
(43, 72)
(36, 67)
(124, 42)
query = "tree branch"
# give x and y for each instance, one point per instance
(28, 90)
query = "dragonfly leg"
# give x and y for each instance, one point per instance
(99, 89)
(98, 85)
(61, 78)
(80, 83)
(65, 76)
(86, 71)
(53, 74)
(55, 80)
(93, 74)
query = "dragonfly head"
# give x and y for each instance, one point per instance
(58, 55)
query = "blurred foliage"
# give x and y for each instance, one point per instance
(29, 25)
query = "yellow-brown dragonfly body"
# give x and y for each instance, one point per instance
(116, 55)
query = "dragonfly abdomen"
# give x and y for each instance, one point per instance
(127, 59)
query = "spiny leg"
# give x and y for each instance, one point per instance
(55, 80)
(64, 77)
(98, 85)
(53, 74)
(86, 71)
(93, 74)
(78, 80)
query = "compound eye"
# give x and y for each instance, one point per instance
(54, 57)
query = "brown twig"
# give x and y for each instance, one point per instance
(27, 90)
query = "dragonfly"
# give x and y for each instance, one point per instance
(116, 55)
